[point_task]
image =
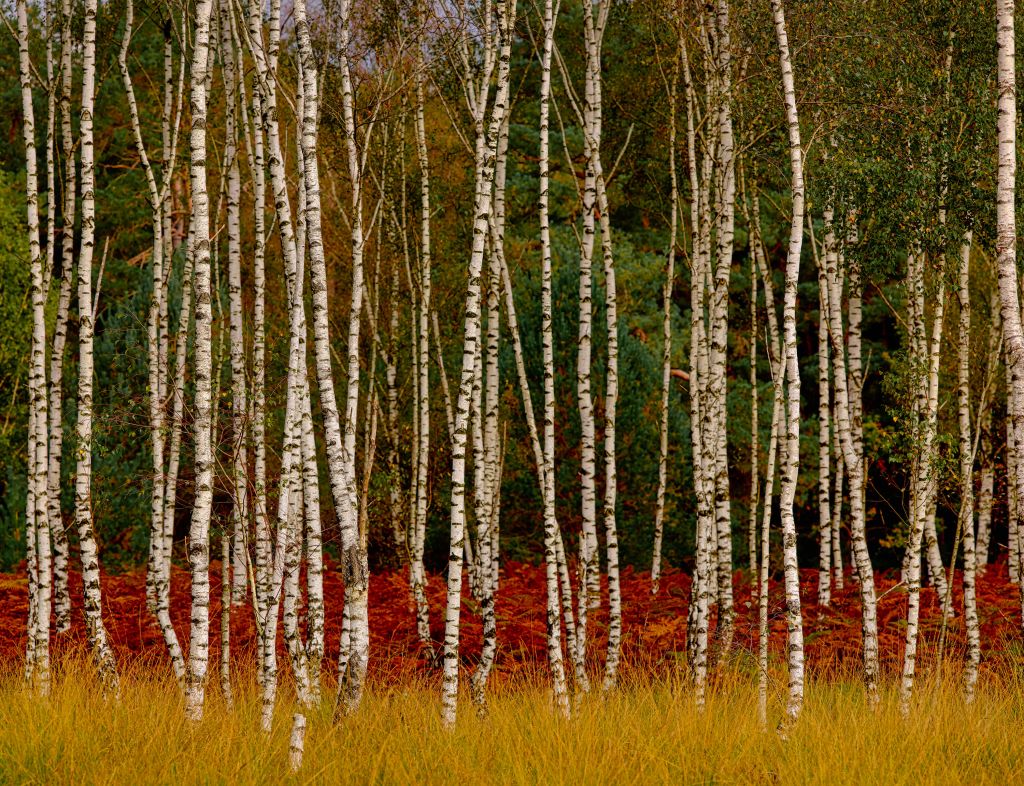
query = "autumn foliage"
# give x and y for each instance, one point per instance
(654, 640)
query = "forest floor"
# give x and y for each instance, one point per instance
(646, 732)
(654, 627)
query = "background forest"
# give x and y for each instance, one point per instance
(870, 74)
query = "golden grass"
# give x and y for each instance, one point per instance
(643, 733)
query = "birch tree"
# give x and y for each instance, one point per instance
(199, 532)
(486, 152)
(666, 357)
(38, 531)
(1006, 248)
(790, 465)
(92, 592)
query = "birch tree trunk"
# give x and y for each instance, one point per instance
(37, 526)
(199, 532)
(791, 455)
(486, 154)
(697, 622)
(725, 209)
(666, 357)
(61, 595)
(589, 580)
(824, 446)
(357, 570)
(239, 405)
(967, 471)
(92, 593)
(552, 534)
(923, 488)
(416, 569)
(846, 374)
(1006, 248)
(985, 490)
(837, 510)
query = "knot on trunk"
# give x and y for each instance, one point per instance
(354, 571)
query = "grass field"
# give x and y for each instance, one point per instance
(644, 733)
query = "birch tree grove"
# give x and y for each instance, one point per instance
(518, 308)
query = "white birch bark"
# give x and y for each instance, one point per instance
(778, 416)
(486, 154)
(966, 524)
(488, 525)
(824, 446)
(357, 570)
(416, 568)
(255, 131)
(92, 600)
(239, 405)
(37, 527)
(61, 595)
(985, 489)
(552, 535)
(923, 495)
(790, 465)
(163, 492)
(777, 363)
(1006, 256)
(725, 210)
(199, 532)
(837, 511)
(846, 375)
(666, 357)
(588, 548)
(697, 622)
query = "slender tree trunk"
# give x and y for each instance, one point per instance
(552, 534)
(199, 532)
(697, 622)
(239, 405)
(486, 154)
(778, 417)
(837, 510)
(417, 572)
(666, 356)
(357, 570)
(985, 488)
(846, 374)
(967, 472)
(61, 595)
(1006, 250)
(825, 545)
(790, 466)
(37, 526)
(725, 209)
(96, 630)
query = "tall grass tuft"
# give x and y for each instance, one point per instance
(645, 732)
